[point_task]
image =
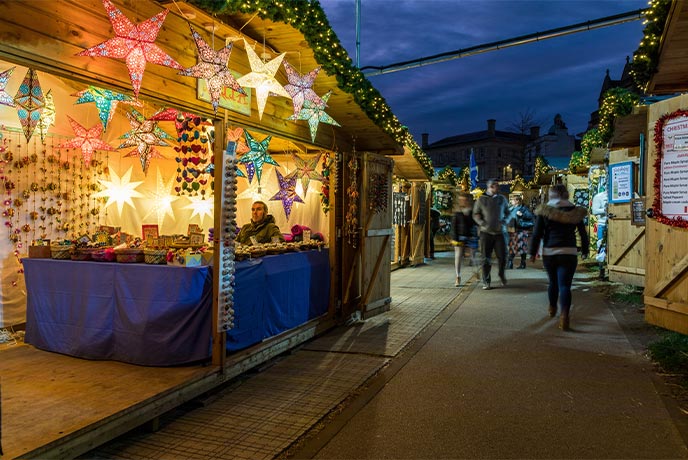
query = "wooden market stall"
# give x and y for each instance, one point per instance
(42, 40)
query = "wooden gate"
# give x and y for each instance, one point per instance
(666, 278)
(625, 239)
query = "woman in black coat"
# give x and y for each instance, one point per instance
(462, 231)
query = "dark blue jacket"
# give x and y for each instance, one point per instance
(462, 226)
(556, 227)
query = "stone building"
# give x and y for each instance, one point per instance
(556, 146)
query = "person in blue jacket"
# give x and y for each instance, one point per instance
(521, 220)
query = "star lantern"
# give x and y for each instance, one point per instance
(257, 157)
(212, 67)
(105, 100)
(236, 135)
(145, 135)
(6, 99)
(194, 155)
(174, 115)
(135, 43)
(306, 170)
(161, 200)
(315, 114)
(300, 88)
(200, 207)
(29, 102)
(119, 190)
(48, 116)
(88, 140)
(262, 78)
(287, 193)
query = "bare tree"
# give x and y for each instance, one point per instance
(524, 121)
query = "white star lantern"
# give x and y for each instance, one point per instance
(119, 190)
(201, 207)
(262, 78)
(161, 200)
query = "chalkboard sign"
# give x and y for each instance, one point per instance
(638, 211)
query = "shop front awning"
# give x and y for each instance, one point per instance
(672, 70)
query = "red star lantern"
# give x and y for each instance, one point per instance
(88, 140)
(133, 43)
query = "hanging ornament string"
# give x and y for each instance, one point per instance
(352, 222)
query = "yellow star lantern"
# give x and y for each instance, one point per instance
(119, 190)
(201, 207)
(262, 78)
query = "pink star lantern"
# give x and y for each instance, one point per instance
(237, 135)
(300, 88)
(145, 135)
(212, 66)
(30, 103)
(175, 115)
(133, 43)
(287, 193)
(6, 99)
(306, 170)
(88, 140)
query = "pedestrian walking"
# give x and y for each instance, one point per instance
(521, 219)
(556, 225)
(462, 231)
(490, 212)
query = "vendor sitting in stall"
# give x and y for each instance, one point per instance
(261, 229)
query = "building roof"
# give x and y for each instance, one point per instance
(477, 136)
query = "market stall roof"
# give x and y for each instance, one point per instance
(627, 129)
(672, 69)
(407, 166)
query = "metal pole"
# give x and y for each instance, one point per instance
(358, 33)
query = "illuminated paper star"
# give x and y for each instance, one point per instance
(48, 116)
(262, 78)
(201, 207)
(257, 156)
(161, 200)
(29, 102)
(119, 190)
(133, 43)
(88, 140)
(105, 100)
(300, 88)
(287, 193)
(6, 99)
(237, 135)
(145, 135)
(306, 170)
(315, 114)
(175, 115)
(212, 66)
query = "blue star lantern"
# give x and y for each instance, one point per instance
(315, 114)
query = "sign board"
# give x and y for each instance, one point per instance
(229, 99)
(638, 212)
(674, 168)
(621, 182)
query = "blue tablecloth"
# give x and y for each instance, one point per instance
(157, 315)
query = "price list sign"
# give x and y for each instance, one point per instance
(674, 174)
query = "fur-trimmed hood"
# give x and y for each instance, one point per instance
(566, 215)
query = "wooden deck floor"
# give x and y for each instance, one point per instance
(49, 399)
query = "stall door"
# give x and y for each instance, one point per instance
(625, 239)
(666, 246)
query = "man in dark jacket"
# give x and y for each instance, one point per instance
(261, 229)
(490, 212)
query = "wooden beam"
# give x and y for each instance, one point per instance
(628, 247)
(378, 262)
(671, 277)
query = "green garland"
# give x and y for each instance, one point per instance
(646, 57)
(308, 17)
(448, 175)
(541, 168)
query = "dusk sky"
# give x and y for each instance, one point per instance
(560, 75)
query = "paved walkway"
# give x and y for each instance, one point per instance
(488, 376)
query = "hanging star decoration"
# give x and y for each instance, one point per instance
(212, 67)
(145, 135)
(161, 199)
(300, 88)
(171, 114)
(88, 140)
(119, 190)
(262, 78)
(105, 100)
(29, 102)
(287, 193)
(201, 207)
(6, 99)
(48, 116)
(135, 43)
(306, 171)
(315, 114)
(236, 135)
(257, 157)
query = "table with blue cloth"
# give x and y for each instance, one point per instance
(158, 315)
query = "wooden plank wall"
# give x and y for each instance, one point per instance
(666, 274)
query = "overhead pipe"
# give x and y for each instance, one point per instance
(607, 21)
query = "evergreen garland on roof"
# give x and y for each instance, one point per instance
(646, 57)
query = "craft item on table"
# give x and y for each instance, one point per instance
(257, 157)
(186, 258)
(104, 255)
(262, 78)
(300, 87)
(212, 67)
(155, 255)
(195, 155)
(88, 140)
(6, 99)
(48, 116)
(119, 190)
(40, 249)
(105, 100)
(306, 170)
(29, 102)
(287, 193)
(315, 114)
(135, 43)
(61, 249)
(145, 135)
(129, 255)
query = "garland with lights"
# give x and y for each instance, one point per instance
(677, 221)
(541, 168)
(646, 57)
(308, 17)
(448, 175)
